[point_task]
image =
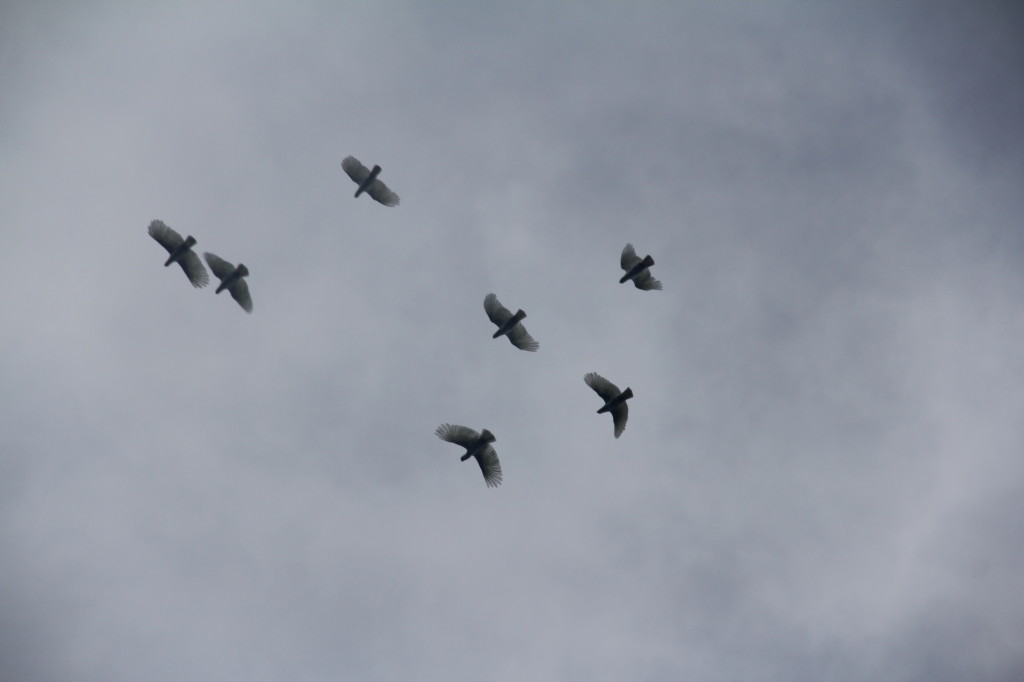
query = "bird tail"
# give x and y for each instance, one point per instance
(487, 437)
(520, 314)
(647, 261)
(628, 393)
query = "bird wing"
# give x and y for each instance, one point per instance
(379, 191)
(620, 413)
(220, 267)
(165, 236)
(490, 466)
(240, 292)
(498, 313)
(460, 435)
(602, 386)
(521, 339)
(357, 171)
(646, 282)
(628, 258)
(194, 269)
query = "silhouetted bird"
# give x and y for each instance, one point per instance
(477, 445)
(181, 252)
(508, 324)
(614, 400)
(368, 182)
(231, 279)
(637, 270)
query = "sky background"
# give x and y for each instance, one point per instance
(823, 471)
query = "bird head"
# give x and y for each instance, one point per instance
(243, 271)
(487, 436)
(190, 241)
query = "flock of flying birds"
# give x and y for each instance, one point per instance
(477, 445)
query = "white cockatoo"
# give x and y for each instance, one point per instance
(231, 278)
(181, 252)
(509, 324)
(368, 182)
(637, 269)
(477, 445)
(614, 400)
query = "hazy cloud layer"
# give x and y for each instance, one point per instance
(821, 478)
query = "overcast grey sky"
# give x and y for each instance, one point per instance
(823, 471)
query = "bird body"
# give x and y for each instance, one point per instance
(231, 278)
(180, 252)
(614, 400)
(368, 181)
(620, 399)
(509, 324)
(637, 269)
(478, 445)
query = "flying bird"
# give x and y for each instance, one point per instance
(508, 324)
(368, 182)
(477, 445)
(231, 279)
(181, 252)
(638, 270)
(614, 400)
